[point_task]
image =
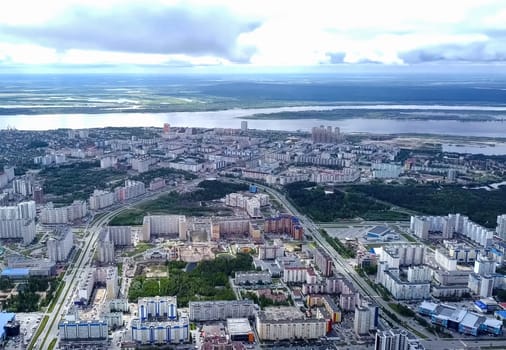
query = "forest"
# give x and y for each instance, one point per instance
(208, 281)
(340, 204)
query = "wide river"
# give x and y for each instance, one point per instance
(232, 119)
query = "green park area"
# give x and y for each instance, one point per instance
(192, 203)
(28, 298)
(208, 281)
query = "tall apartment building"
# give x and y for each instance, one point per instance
(22, 186)
(202, 311)
(164, 225)
(63, 215)
(324, 262)
(59, 246)
(157, 308)
(109, 238)
(83, 331)
(271, 252)
(325, 134)
(284, 224)
(131, 189)
(287, 323)
(395, 339)
(422, 226)
(501, 226)
(18, 222)
(101, 199)
(366, 319)
(232, 228)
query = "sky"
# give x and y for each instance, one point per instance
(236, 35)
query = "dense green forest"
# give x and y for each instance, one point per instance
(340, 204)
(77, 180)
(208, 281)
(480, 205)
(368, 201)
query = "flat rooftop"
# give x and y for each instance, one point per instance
(238, 326)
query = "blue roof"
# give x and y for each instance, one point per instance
(480, 304)
(501, 313)
(4, 318)
(15, 272)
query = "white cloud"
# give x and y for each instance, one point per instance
(260, 32)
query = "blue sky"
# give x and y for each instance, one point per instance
(250, 35)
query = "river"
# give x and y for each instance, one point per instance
(232, 119)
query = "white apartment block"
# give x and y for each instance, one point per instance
(101, 199)
(157, 308)
(120, 235)
(336, 176)
(86, 285)
(105, 251)
(501, 226)
(108, 162)
(108, 276)
(422, 226)
(24, 210)
(419, 274)
(63, 215)
(201, 311)
(18, 228)
(482, 286)
(6, 176)
(89, 330)
(164, 225)
(165, 332)
(287, 323)
(59, 247)
(131, 189)
(271, 252)
(401, 290)
(403, 255)
(22, 186)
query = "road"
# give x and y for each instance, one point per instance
(344, 268)
(73, 275)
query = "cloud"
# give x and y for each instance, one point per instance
(477, 52)
(135, 28)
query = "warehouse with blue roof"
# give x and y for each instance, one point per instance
(460, 320)
(16, 273)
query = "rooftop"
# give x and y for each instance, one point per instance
(238, 326)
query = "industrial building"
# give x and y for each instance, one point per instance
(221, 310)
(287, 323)
(460, 320)
(239, 329)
